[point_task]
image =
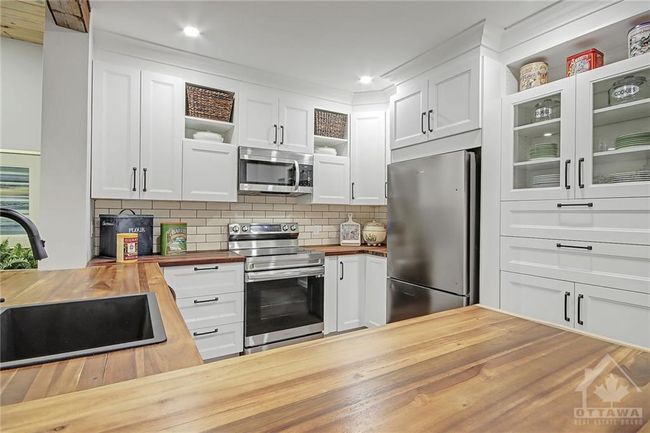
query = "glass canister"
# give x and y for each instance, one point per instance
(628, 89)
(546, 110)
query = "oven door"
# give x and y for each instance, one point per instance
(283, 304)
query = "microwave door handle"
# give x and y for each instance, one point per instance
(296, 184)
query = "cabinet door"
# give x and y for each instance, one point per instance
(115, 132)
(376, 280)
(209, 171)
(613, 136)
(214, 342)
(368, 157)
(612, 313)
(350, 292)
(161, 136)
(296, 132)
(454, 97)
(408, 114)
(538, 136)
(330, 297)
(538, 298)
(259, 119)
(331, 179)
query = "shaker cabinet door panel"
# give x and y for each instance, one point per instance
(407, 114)
(375, 296)
(351, 292)
(162, 130)
(209, 171)
(259, 122)
(115, 131)
(296, 132)
(368, 157)
(331, 179)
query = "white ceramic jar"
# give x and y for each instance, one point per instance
(374, 233)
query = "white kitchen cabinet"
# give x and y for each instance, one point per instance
(331, 179)
(538, 143)
(162, 128)
(205, 280)
(608, 166)
(375, 290)
(616, 314)
(276, 120)
(209, 171)
(213, 310)
(351, 292)
(330, 302)
(222, 340)
(538, 298)
(454, 97)
(442, 102)
(115, 132)
(368, 158)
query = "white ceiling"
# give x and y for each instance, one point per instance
(327, 43)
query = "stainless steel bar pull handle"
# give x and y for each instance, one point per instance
(214, 331)
(575, 204)
(211, 268)
(144, 185)
(135, 175)
(577, 247)
(566, 306)
(215, 299)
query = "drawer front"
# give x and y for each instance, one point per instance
(204, 280)
(538, 298)
(612, 313)
(620, 266)
(205, 311)
(227, 340)
(604, 220)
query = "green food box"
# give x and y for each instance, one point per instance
(173, 238)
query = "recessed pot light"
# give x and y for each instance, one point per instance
(191, 32)
(365, 79)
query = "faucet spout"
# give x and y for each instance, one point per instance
(35, 241)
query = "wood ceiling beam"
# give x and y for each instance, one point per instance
(71, 14)
(23, 19)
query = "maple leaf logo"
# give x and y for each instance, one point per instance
(612, 392)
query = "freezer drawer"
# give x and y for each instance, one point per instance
(409, 300)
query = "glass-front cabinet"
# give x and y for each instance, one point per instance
(538, 142)
(613, 130)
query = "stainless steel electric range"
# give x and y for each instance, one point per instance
(284, 285)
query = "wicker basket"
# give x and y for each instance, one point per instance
(330, 124)
(207, 103)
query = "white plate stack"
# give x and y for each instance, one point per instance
(642, 175)
(546, 180)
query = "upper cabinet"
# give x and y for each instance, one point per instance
(368, 158)
(277, 120)
(442, 102)
(581, 137)
(613, 130)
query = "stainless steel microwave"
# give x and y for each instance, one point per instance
(266, 171)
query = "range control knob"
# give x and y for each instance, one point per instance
(294, 227)
(244, 228)
(285, 228)
(235, 229)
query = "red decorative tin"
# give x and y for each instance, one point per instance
(584, 61)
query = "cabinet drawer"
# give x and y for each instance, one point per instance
(613, 265)
(624, 220)
(203, 280)
(538, 298)
(204, 311)
(214, 342)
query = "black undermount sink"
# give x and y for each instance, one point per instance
(39, 333)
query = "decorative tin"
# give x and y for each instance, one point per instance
(127, 247)
(173, 238)
(533, 75)
(584, 61)
(110, 225)
(638, 40)
(350, 232)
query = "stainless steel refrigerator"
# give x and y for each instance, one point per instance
(432, 234)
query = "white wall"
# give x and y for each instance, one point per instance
(65, 217)
(21, 77)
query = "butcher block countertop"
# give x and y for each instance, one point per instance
(43, 380)
(337, 250)
(464, 370)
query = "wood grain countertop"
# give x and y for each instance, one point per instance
(43, 380)
(464, 370)
(338, 250)
(189, 258)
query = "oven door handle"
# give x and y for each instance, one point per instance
(296, 184)
(282, 274)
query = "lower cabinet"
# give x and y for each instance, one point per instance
(211, 301)
(355, 292)
(618, 314)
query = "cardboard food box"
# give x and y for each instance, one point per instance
(173, 238)
(126, 247)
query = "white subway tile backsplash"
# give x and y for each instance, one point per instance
(207, 221)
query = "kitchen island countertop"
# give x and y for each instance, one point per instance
(470, 370)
